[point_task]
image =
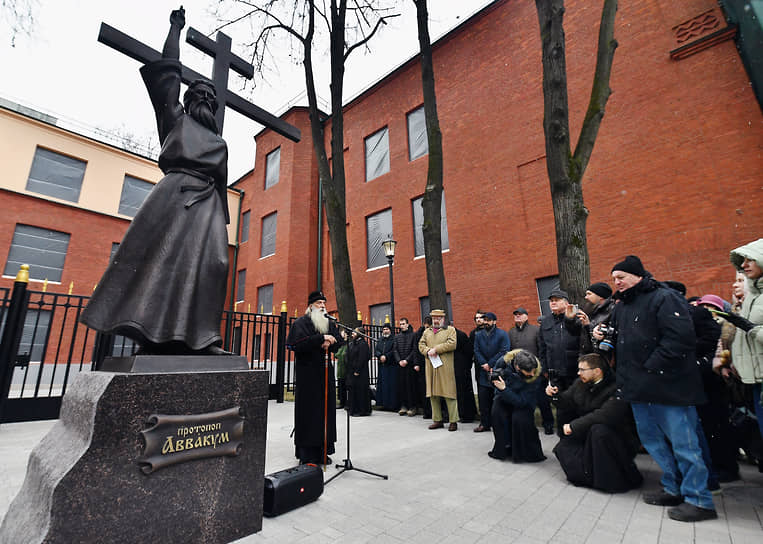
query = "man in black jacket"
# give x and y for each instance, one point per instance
(404, 354)
(386, 382)
(657, 373)
(558, 347)
(598, 441)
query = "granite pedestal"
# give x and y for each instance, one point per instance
(86, 480)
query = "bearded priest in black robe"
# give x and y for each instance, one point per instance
(311, 337)
(165, 286)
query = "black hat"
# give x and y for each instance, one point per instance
(386, 326)
(520, 310)
(558, 293)
(601, 289)
(315, 296)
(676, 286)
(631, 265)
(490, 316)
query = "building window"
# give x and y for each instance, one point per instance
(241, 285)
(269, 234)
(42, 249)
(378, 229)
(245, 226)
(418, 221)
(545, 286)
(380, 313)
(265, 299)
(377, 154)
(34, 333)
(425, 309)
(56, 175)
(272, 168)
(418, 143)
(134, 192)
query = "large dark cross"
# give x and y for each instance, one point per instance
(224, 61)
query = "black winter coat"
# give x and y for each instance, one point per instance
(405, 346)
(525, 338)
(654, 351)
(385, 346)
(558, 346)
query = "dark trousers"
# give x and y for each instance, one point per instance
(341, 389)
(544, 404)
(601, 461)
(485, 396)
(467, 409)
(408, 387)
(515, 433)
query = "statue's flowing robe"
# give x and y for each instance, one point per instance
(167, 280)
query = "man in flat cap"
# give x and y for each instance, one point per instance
(311, 337)
(558, 348)
(437, 346)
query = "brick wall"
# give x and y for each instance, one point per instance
(674, 177)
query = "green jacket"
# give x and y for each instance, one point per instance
(341, 359)
(747, 349)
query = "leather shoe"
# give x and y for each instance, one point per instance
(481, 429)
(689, 512)
(662, 498)
(493, 455)
(436, 425)
(453, 427)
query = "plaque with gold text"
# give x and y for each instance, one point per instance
(173, 439)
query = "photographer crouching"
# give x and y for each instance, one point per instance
(598, 438)
(516, 383)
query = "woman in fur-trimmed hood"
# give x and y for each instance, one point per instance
(747, 349)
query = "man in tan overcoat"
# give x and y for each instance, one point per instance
(440, 342)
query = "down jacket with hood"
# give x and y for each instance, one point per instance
(655, 347)
(747, 349)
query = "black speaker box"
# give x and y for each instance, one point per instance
(288, 489)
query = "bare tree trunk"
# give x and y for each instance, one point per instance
(565, 170)
(432, 200)
(332, 180)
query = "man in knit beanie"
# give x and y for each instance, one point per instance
(657, 373)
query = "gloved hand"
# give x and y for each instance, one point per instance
(739, 321)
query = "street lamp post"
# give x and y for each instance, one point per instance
(389, 251)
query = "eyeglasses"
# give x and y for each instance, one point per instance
(584, 369)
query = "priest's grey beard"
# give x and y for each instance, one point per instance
(200, 111)
(319, 319)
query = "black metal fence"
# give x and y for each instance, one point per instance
(43, 344)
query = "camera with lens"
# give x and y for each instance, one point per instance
(497, 373)
(608, 342)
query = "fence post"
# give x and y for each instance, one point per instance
(14, 328)
(281, 353)
(102, 348)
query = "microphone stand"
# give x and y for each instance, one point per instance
(347, 463)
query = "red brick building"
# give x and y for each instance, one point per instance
(675, 176)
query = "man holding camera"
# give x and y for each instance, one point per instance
(558, 348)
(490, 345)
(598, 441)
(657, 373)
(516, 382)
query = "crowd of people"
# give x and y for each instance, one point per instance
(637, 367)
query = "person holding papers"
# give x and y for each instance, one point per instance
(437, 346)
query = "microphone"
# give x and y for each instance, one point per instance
(330, 317)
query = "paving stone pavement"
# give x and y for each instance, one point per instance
(443, 488)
